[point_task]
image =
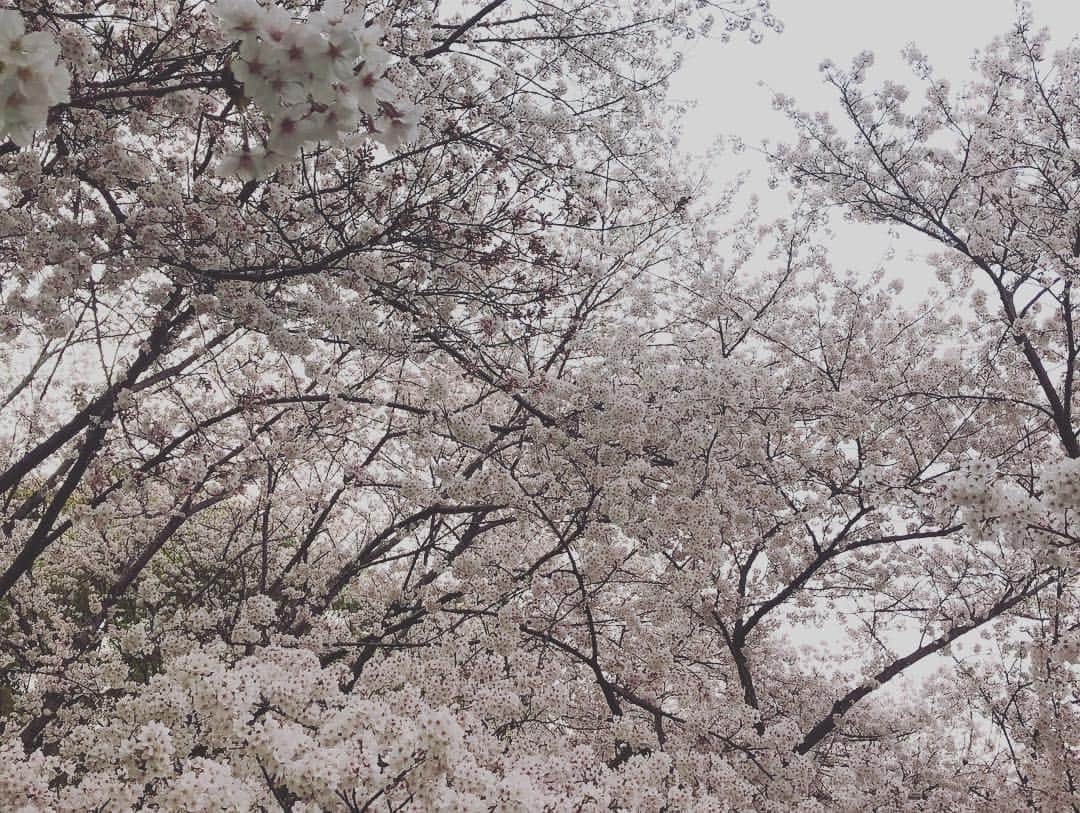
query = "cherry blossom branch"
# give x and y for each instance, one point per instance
(827, 724)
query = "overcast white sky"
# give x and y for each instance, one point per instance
(724, 79)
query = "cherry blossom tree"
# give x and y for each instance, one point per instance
(991, 174)
(393, 420)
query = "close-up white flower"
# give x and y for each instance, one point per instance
(315, 78)
(31, 80)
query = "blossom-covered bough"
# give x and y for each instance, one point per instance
(391, 423)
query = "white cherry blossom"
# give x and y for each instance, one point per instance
(31, 79)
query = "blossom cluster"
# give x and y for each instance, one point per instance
(31, 79)
(1061, 484)
(279, 726)
(316, 79)
(976, 490)
(972, 488)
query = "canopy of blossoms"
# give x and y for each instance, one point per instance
(393, 418)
